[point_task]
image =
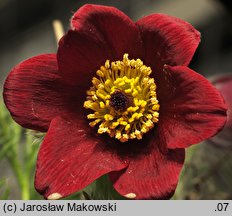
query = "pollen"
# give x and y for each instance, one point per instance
(123, 99)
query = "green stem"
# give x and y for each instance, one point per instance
(28, 162)
(25, 190)
(17, 167)
(11, 143)
(21, 178)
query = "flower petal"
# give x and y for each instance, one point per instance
(224, 84)
(192, 110)
(152, 175)
(35, 94)
(71, 157)
(79, 57)
(32, 92)
(167, 40)
(100, 33)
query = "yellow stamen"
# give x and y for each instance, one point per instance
(123, 99)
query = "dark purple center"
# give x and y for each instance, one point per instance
(119, 101)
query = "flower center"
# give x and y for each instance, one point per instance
(123, 99)
(119, 101)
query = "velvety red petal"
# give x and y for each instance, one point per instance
(79, 57)
(71, 157)
(100, 33)
(34, 93)
(152, 175)
(192, 110)
(224, 84)
(27, 94)
(167, 40)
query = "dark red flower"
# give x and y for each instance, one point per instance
(224, 84)
(47, 93)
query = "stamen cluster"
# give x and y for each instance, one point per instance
(123, 99)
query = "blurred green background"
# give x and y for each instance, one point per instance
(26, 30)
